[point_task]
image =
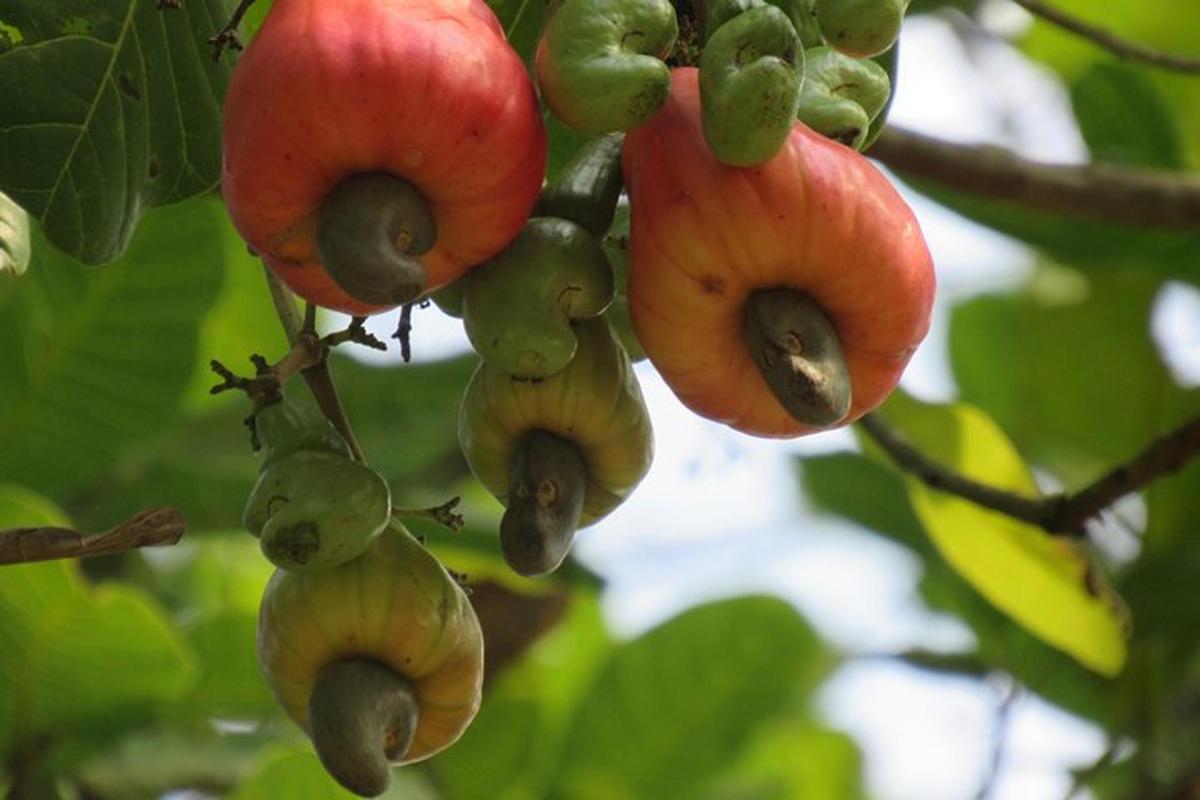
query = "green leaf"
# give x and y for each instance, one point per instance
(75, 659)
(1124, 119)
(794, 759)
(95, 360)
(1067, 367)
(117, 110)
(298, 775)
(674, 705)
(522, 23)
(513, 748)
(874, 495)
(14, 237)
(1045, 583)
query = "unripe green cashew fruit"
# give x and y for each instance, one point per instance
(842, 95)
(599, 63)
(379, 660)
(287, 427)
(890, 61)
(518, 307)
(750, 76)
(860, 28)
(314, 510)
(560, 453)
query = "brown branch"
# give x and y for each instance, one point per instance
(1063, 514)
(317, 376)
(1099, 192)
(154, 527)
(1118, 46)
(228, 35)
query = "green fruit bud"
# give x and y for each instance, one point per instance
(842, 95)
(750, 76)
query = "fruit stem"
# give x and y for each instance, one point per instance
(798, 353)
(370, 229)
(361, 716)
(546, 486)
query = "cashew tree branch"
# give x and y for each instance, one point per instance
(1099, 192)
(1102, 37)
(154, 527)
(1062, 514)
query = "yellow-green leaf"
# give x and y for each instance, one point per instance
(1045, 583)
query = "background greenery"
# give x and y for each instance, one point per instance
(129, 676)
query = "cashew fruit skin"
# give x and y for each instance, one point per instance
(599, 63)
(818, 218)
(595, 403)
(288, 427)
(394, 604)
(518, 307)
(842, 96)
(747, 106)
(860, 28)
(426, 90)
(314, 510)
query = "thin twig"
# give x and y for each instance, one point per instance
(1063, 514)
(999, 737)
(317, 376)
(1099, 192)
(1118, 46)
(228, 36)
(404, 332)
(443, 515)
(154, 527)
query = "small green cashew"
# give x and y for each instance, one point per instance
(449, 298)
(860, 28)
(287, 427)
(842, 95)
(519, 306)
(313, 510)
(600, 63)
(750, 77)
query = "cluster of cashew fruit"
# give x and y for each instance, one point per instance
(364, 638)
(379, 152)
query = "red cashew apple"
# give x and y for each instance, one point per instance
(377, 149)
(779, 299)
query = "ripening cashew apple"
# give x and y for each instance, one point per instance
(379, 660)
(781, 299)
(600, 65)
(559, 453)
(312, 506)
(860, 28)
(376, 149)
(517, 308)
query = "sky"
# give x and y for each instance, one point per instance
(720, 512)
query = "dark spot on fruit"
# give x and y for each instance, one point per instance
(711, 284)
(154, 169)
(127, 87)
(298, 544)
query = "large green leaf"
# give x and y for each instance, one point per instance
(793, 759)
(1067, 367)
(95, 360)
(513, 748)
(14, 237)
(674, 705)
(874, 495)
(75, 659)
(1124, 119)
(112, 107)
(1045, 583)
